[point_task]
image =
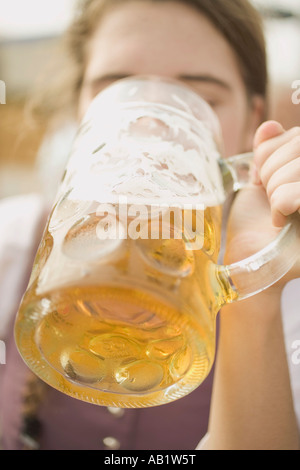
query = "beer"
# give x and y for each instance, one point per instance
(132, 327)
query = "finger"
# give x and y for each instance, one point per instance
(289, 173)
(285, 201)
(266, 148)
(281, 157)
(266, 131)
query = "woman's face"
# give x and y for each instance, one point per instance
(171, 39)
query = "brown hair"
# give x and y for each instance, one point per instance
(237, 20)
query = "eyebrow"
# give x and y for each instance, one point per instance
(111, 77)
(206, 79)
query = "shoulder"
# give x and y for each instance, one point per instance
(291, 324)
(20, 221)
(18, 217)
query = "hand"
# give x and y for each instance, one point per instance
(260, 210)
(277, 167)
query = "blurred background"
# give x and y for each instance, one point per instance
(29, 40)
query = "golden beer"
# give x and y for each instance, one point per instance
(135, 328)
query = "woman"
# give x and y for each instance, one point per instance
(216, 48)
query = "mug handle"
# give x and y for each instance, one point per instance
(252, 275)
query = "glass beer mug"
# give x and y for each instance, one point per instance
(122, 302)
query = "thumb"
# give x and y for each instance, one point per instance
(267, 131)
